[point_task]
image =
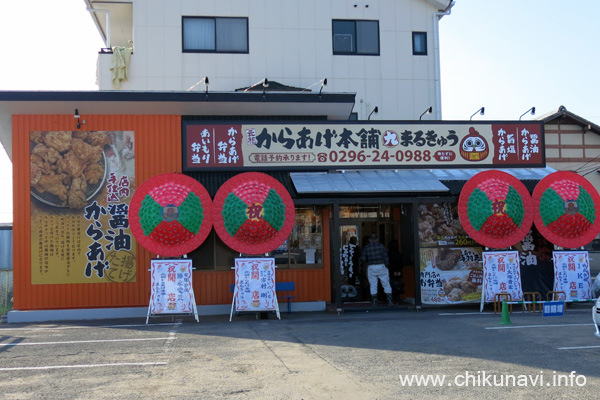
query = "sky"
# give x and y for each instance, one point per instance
(506, 56)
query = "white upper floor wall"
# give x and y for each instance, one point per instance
(291, 42)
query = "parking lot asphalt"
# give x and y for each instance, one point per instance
(382, 354)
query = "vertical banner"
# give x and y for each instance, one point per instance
(501, 273)
(255, 284)
(572, 274)
(81, 186)
(172, 291)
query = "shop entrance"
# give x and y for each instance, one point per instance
(393, 226)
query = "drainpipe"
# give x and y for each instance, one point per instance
(436, 54)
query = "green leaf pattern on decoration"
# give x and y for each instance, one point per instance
(234, 213)
(552, 206)
(586, 205)
(191, 213)
(274, 210)
(479, 208)
(149, 214)
(514, 206)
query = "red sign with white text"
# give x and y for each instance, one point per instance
(362, 145)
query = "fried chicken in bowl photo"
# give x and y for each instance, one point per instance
(67, 169)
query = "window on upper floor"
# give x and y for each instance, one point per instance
(355, 37)
(419, 41)
(215, 35)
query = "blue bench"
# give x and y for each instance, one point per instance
(286, 287)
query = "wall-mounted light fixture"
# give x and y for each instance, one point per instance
(323, 84)
(481, 111)
(77, 117)
(265, 84)
(205, 81)
(428, 111)
(532, 110)
(375, 110)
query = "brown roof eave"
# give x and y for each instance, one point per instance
(563, 114)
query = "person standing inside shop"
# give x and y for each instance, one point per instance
(376, 257)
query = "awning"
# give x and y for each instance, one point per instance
(397, 181)
(368, 181)
(464, 174)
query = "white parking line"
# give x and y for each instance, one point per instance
(50, 328)
(578, 347)
(516, 313)
(84, 341)
(534, 326)
(466, 313)
(84, 366)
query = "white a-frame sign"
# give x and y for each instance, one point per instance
(172, 291)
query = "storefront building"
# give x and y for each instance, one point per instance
(364, 151)
(398, 179)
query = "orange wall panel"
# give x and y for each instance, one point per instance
(157, 150)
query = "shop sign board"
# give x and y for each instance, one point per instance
(572, 274)
(362, 144)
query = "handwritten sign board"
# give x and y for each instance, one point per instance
(572, 274)
(360, 145)
(255, 285)
(172, 291)
(501, 274)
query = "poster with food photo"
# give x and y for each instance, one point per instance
(451, 263)
(81, 186)
(439, 225)
(451, 275)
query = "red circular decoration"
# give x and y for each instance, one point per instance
(249, 192)
(572, 229)
(170, 238)
(499, 230)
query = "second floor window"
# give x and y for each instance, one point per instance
(419, 40)
(358, 37)
(215, 35)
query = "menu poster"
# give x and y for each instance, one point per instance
(255, 284)
(501, 274)
(451, 275)
(572, 274)
(81, 187)
(439, 225)
(172, 291)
